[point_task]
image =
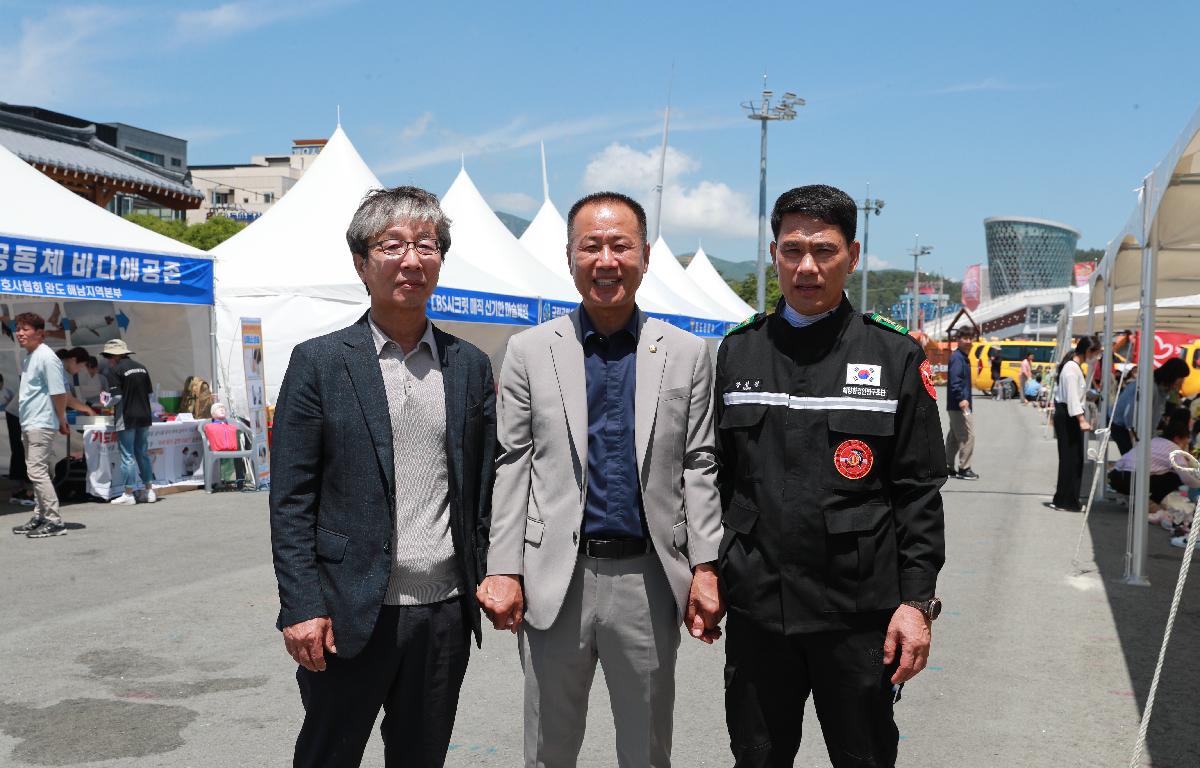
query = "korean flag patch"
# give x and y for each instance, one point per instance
(864, 374)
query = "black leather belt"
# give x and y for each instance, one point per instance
(612, 549)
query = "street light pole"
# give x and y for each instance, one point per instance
(917, 251)
(867, 207)
(763, 111)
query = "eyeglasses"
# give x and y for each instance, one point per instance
(395, 249)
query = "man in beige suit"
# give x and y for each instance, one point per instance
(605, 513)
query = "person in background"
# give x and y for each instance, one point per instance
(128, 391)
(1163, 477)
(1033, 388)
(995, 360)
(16, 462)
(1025, 376)
(73, 361)
(1121, 424)
(1168, 378)
(43, 413)
(1070, 422)
(91, 383)
(960, 437)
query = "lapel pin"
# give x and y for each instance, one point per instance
(653, 348)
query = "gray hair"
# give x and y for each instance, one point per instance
(384, 208)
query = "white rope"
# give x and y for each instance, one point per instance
(1183, 462)
(1101, 461)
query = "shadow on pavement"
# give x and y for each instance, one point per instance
(1140, 615)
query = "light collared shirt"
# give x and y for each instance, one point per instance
(424, 566)
(1071, 389)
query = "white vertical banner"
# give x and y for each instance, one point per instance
(256, 395)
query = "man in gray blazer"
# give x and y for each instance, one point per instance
(605, 516)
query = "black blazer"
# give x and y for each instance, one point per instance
(332, 486)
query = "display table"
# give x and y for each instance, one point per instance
(175, 451)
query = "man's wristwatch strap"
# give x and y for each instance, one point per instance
(929, 608)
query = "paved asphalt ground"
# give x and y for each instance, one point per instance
(145, 637)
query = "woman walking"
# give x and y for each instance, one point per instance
(1070, 422)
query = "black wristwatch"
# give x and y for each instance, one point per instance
(930, 609)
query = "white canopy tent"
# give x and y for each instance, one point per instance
(1155, 256)
(293, 268)
(95, 276)
(708, 279)
(483, 242)
(668, 270)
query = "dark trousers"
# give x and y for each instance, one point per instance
(1160, 485)
(1070, 458)
(1122, 437)
(16, 465)
(412, 668)
(768, 678)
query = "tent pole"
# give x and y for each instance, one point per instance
(1106, 389)
(212, 351)
(1135, 564)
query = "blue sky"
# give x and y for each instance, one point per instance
(952, 111)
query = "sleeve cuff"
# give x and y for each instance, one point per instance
(917, 586)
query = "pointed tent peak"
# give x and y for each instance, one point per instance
(699, 254)
(546, 236)
(339, 116)
(660, 246)
(462, 161)
(309, 220)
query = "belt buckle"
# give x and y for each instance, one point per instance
(587, 548)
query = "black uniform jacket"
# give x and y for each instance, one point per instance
(333, 486)
(831, 461)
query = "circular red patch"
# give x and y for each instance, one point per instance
(853, 459)
(927, 377)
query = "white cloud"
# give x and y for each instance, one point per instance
(59, 55)
(875, 263)
(238, 16)
(417, 128)
(512, 135)
(513, 202)
(703, 206)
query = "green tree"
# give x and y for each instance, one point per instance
(204, 236)
(212, 233)
(172, 228)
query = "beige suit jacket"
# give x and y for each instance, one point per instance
(541, 471)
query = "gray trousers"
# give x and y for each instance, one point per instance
(39, 445)
(621, 613)
(960, 439)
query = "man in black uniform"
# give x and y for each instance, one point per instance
(831, 462)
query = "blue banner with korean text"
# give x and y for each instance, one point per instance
(476, 307)
(61, 270)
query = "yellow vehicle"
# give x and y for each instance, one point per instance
(1191, 355)
(1011, 352)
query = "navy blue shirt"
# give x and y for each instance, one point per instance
(958, 380)
(614, 498)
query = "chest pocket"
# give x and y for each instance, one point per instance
(739, 431)
(860, 446)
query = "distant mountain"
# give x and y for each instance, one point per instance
(515, 224)
(732, 271)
